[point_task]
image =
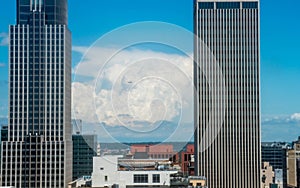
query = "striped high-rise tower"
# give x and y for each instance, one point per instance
(38, 152)
(227, 97)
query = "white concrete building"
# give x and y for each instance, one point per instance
(81, 182)
(106, 173)
(267, 175)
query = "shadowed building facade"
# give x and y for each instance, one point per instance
(84, 149)
(227, 94)
(38, 152)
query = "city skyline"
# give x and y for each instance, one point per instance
(139, 81)
(280, 106)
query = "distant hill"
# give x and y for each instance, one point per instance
(142, 132)
(118, 146)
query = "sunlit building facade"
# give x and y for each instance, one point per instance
(227, 97)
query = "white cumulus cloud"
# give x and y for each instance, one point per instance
(132, 86)
(295, 116)
(281, 127)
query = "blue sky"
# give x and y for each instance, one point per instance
(280, 39)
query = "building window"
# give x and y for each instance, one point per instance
(228, 5)
(250, 5)
(156, 178)
(206, 5)
(264, 178)
(140, 178)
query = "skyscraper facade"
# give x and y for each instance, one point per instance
(38, 152)
(227, 97)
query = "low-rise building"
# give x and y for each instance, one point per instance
(185, 159)
(156, 151)
(276, 154)
(110, 171)
(197, 181)
(84, 181)
(267, 175)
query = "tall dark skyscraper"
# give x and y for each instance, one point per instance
(38, 152)
(227, 101)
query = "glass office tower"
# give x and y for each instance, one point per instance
(38, 152)
(227, 97)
